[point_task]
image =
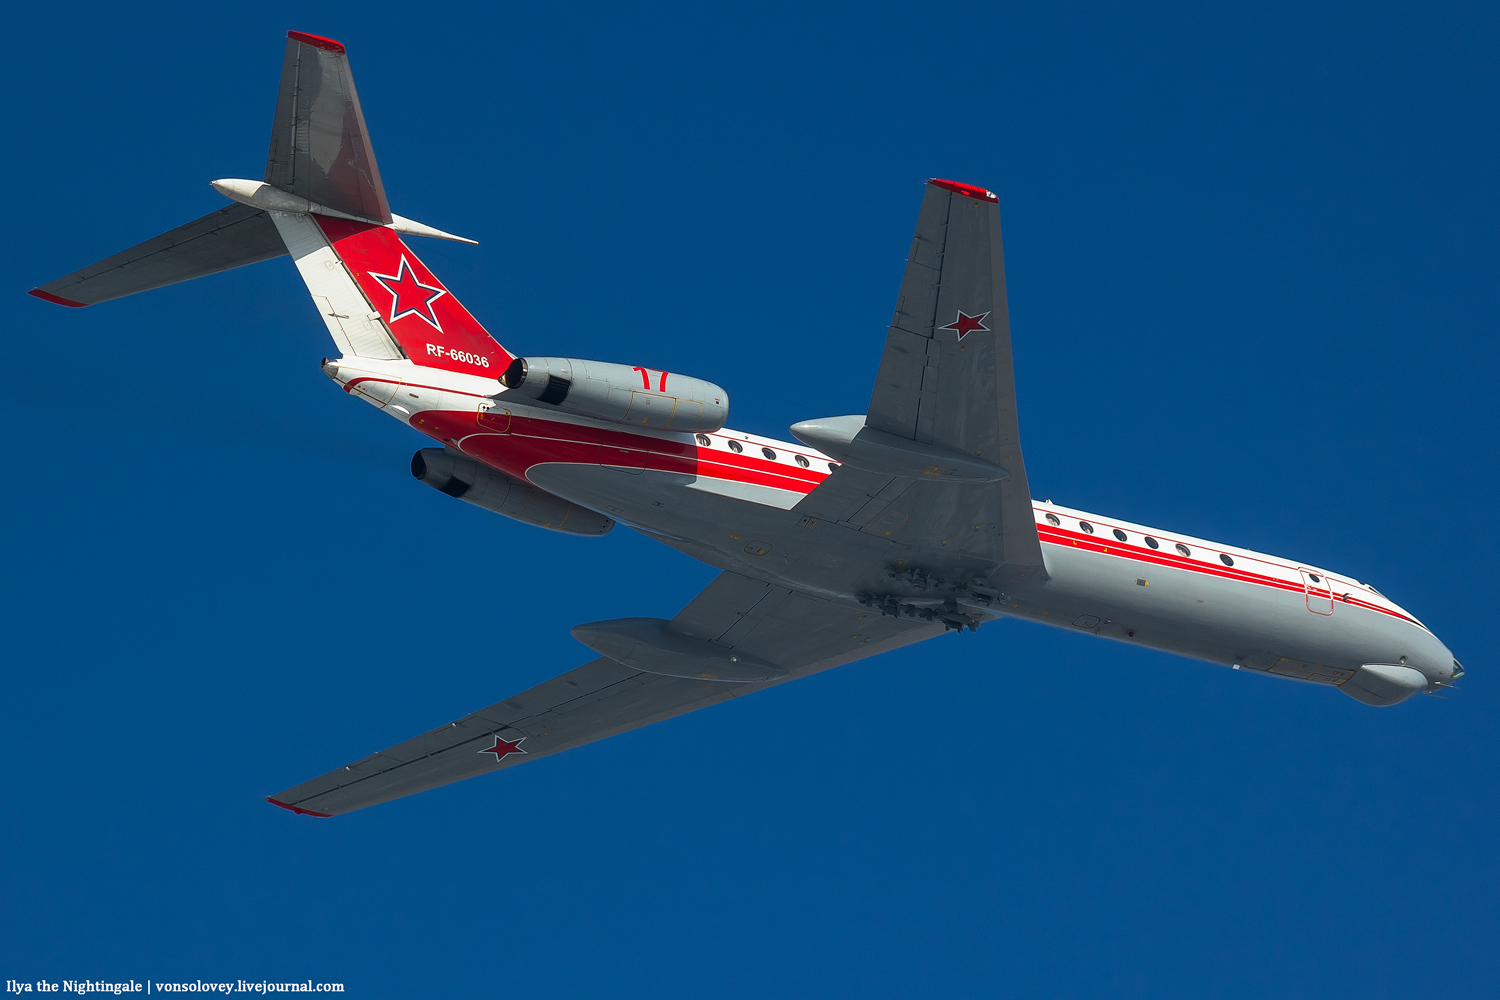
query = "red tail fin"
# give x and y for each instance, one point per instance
(430, 324)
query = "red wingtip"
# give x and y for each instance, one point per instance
(298, 810)
(49, 297)
(319, 42)
(967, 190)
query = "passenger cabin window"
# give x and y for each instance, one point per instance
(1184, 549)
(1314, 578)
(1225, 559)
(735, 447)
(768, 453)
(704, 441)
(1089, 528)
(803, 462)
(1052, 519)
(1152, 542)
(1121, 535)
(833, 466)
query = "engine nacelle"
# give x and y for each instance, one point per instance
(643, 397)
(472, 482)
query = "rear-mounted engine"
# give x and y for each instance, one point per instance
(643, 397)
(460, 476)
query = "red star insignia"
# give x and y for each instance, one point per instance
(504, 748)
(966, 324)
(409, 297)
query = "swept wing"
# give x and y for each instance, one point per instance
(800, 633)
(946, 383)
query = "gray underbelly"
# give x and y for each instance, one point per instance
(1219, 620)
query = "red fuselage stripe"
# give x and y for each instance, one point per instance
(533, 441)
(1124, 550)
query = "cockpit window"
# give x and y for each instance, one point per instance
(1458, 668)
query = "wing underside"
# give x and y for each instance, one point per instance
(801, 633)
(946, 381)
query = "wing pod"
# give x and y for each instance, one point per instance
(855, 444)
(650, 644)
(461, 477)
(1382, 684)
(642, 397)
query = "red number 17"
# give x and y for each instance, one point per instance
(646, 379)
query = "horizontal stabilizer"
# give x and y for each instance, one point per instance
(259, 194)
(228, 238)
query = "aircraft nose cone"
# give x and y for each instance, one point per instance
(1449, 670)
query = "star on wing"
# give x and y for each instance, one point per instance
(504, 748)
(409, 297)
(967, 324)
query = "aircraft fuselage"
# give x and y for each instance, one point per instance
(729, 499)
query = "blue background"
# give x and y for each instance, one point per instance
(1252, 265)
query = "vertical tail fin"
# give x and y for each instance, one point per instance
(377, 297)
(323, 202)
(426, 320)
(320, 146)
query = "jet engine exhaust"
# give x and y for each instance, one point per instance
(464, 479)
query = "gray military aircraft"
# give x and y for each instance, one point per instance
(868, 533)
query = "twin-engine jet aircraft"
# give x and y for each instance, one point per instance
(868, 533)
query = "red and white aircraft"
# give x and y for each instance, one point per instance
(869, 533)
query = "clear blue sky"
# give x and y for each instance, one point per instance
(1252, 261)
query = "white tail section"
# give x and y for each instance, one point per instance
(354, 325)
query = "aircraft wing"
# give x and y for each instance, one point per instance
(798, 632)
(946, 380)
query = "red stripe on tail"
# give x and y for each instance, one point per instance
(430, 324)
(316, 40)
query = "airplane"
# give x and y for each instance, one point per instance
(867, 533)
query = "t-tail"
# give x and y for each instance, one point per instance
(323, 203)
